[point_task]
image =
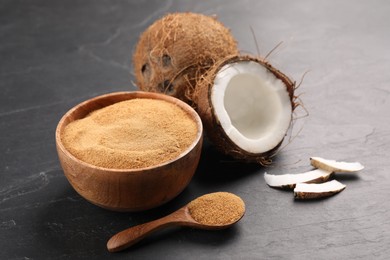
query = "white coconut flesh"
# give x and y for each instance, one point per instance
(305, 190)
(289, 180)
(252, 105)
(329, 186)
(332, 165)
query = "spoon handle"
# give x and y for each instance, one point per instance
(132, 235)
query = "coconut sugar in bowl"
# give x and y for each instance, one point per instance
(129, 151)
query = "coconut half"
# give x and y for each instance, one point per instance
(289, 181)
(246, 107)
(334, 166)
(174, 51)
(315, 191)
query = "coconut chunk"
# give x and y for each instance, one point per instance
(334, 166)
(290, 180)
(252, 105)
(314, 191)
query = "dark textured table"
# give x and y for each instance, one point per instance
(55, 54)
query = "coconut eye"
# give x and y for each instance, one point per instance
(166, 87)
(146, 71)
(166, 60)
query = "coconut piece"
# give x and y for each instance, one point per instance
(314, 191)
(246, 107)
(177, 49)
(334, 166)
(288, 181)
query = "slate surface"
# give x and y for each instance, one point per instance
(55, 54)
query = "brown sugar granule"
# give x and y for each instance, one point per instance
(131, 134)
(219, 208)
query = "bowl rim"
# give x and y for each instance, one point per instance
(132, 94)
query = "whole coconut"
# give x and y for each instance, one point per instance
(246, 107)
(177, 49)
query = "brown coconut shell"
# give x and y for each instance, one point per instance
(177, 49)
(212, 126)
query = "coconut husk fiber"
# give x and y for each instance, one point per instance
(176, 50)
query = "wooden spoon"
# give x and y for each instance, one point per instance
(181, 217)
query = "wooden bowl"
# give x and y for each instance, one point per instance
(128, 189)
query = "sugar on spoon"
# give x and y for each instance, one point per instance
(212, 211)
